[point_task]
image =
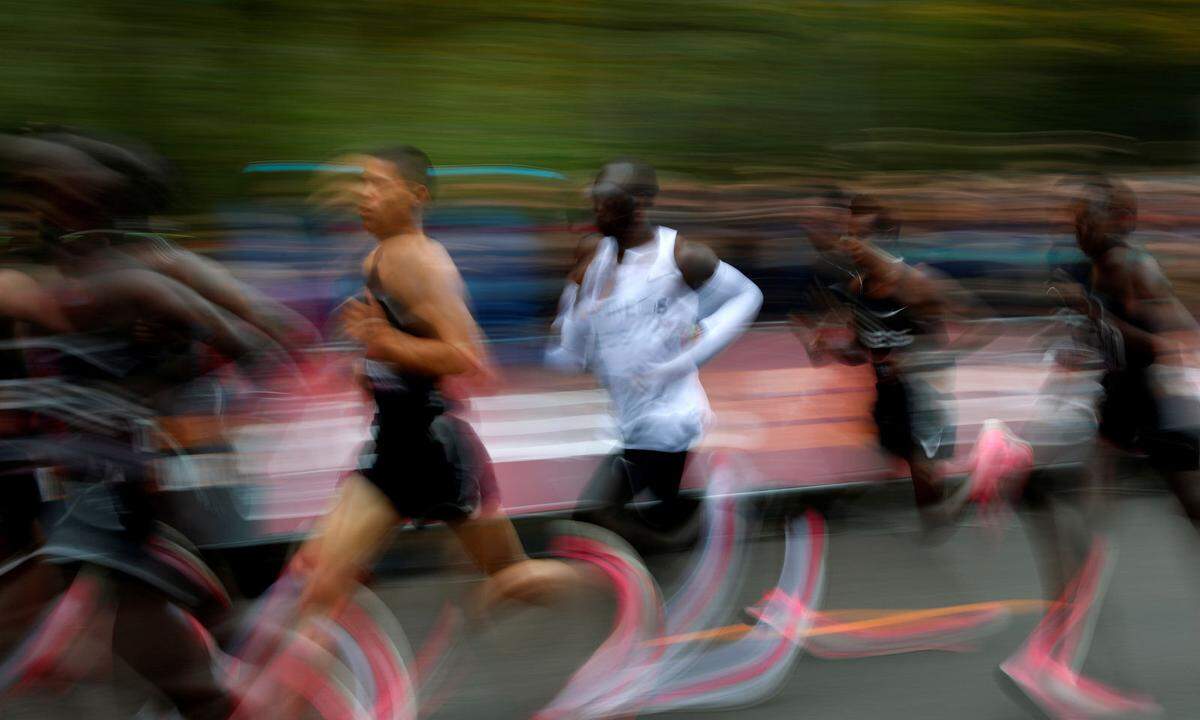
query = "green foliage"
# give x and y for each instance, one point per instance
(706, 87)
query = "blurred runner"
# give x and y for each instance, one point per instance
(148, 179)
(425, 465)
(102, 400)
(22, 301)
(24, 590)
(1147, 405)
(1146, 336)
(193, 410)
(897, 316)
(644, 309)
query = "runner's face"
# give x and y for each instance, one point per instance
(616, 210)
(388, 204)
(1095, 228)
(863, 226)
(826, 228)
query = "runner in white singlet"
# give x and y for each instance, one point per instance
(643, 310)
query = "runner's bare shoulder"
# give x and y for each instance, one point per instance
(1149, 280)
(696, 261)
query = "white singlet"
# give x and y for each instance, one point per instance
(642, 314)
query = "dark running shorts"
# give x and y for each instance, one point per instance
(432, 469)
(20, 505)
(1134, 417)
(911, 420)
(623, 475)
(92, 532)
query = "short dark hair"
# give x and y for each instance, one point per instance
(148, 179)
(831, 196)
(411, 163)
(863, 204)
(634, 176)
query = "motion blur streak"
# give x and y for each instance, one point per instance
(575, 359)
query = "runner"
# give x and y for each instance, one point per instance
(23, 592)
(425, 465)
(898, 315)
(644, 309)
(102, 404)
(1148, 405)
(1142, 334)
(22, 301)
(147, 184)
(1143, 330)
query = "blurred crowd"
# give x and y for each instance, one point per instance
(998, 232)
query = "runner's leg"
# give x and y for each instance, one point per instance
(156, 639)
(492, 543)
(346, 542)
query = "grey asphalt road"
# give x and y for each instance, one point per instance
(1147, 638)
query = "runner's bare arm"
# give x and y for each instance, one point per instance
(696, 261)
(1154, 301)
(1147, 297)
(141, 293)
(22, 298)
(935, 295)
(215, 284)
(1154, 298)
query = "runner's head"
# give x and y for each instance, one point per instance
(621, 194)
(1105, 214)
(829, 219)
(397, 185)
(870, 219)
(51, 190)
(81, 193)
(146, 178)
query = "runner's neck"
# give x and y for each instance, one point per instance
(402, 239)
(635, 239)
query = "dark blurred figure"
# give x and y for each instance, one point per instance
(124, 225)
(897, 318)
(644, 309)
(122, 356)
(106, 196)
(1143, 330)
(1147, 405)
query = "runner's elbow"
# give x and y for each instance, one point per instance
(460, 361)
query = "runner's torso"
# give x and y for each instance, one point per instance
(889, 329)
(1112, 288)
(394, 389)
(643, 313)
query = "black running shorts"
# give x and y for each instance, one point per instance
(431, 466)
(1164, 427)
(911, 420)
